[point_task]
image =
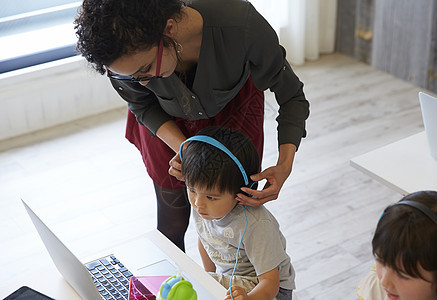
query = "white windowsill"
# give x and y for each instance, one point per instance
(37, 41)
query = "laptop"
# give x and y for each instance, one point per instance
(149, 255)
(428, 105)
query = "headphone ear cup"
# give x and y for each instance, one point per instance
(253, 185)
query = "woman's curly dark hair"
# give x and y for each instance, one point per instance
(109, 29)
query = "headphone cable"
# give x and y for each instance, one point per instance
(238, 251)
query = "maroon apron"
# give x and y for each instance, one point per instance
(244, 113)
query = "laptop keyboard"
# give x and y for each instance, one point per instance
(110, 277)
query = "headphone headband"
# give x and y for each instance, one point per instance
(217, 144)
(423, 208)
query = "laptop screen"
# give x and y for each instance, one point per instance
(428, 105)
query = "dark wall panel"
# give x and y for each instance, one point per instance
(395, 36)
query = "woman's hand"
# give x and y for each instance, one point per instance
(175, 167)
(170, 134)
(275, 177)
(237, 292)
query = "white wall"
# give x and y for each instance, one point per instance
(50, 94)
(305, 28)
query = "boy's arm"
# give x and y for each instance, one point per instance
(267, 288)
(208, 265)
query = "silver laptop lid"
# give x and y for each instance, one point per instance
(66, 262)
(428, 105)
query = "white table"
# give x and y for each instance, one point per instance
(50, 282)
(405, 166)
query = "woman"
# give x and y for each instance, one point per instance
(185, 67)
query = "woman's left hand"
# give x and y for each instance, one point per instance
(275, 177)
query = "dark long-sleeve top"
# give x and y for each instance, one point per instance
(237, 42)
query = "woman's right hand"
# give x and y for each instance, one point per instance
(175, 167)
(170, 134)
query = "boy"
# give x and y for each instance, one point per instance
(227, 229)
(404, 245)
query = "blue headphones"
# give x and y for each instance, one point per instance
(209, 140)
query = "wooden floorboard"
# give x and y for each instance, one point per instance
(88, 183)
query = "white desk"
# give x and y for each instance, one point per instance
(405, 166)
(50, 282)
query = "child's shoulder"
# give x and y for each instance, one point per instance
(260, 213)
(370, 288)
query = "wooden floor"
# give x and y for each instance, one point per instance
(88, 183)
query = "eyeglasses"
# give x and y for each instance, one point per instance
(140, 79)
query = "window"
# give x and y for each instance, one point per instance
(34, 32)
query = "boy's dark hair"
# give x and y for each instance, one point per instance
(406, 238)
(109, 29)
(207, 166)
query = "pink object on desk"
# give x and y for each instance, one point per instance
(145, 287)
